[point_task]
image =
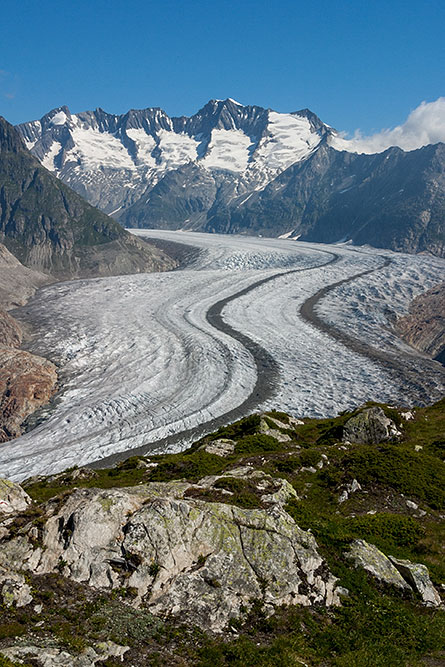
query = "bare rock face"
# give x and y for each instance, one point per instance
(26, 383)
(403, 574)
(376, 563)
(369, 427)
(221, 447)
(10, 331)
(274, 433)
(203, 562)
(424, 326)
(12, 497)
(17, 282)
(418, 577)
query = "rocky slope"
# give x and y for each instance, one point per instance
(49, 228)
(424, 326)
(244, 169)
(17, 282)
(271, 541)
(26, 381)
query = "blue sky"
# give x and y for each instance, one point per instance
(356, 64)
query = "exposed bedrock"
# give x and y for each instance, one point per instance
(26, 383)
(424, 326)
(204, 562)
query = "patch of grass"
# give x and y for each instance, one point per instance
(128, 473)
(246, 426)
(190, 465)
(258, 444)
(368, 630)
(281, 416)
(408, 472)
(6, 662)
(243, 493)
(11, 629)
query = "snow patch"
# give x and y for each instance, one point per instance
(176, 149)
(59, 118)
(228, 150)
(289, 140)
(50, 156)
(97, 149)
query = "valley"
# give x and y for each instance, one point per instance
(148, 362)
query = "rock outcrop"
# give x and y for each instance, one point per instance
(424, 326)
(376, 563)
(13, 589)
(11, 333)
(403, 574)
(26, 383)
(418, 577)
(369, 427)
(197, 560)
(13, 498)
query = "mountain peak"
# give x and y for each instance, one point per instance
(10, 140)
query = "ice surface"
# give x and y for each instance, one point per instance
(139, 361)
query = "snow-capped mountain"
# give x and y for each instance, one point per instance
(244, 169)
(112, 160)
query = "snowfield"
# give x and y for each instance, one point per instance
(141, 366)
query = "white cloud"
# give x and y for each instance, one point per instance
(425, 125)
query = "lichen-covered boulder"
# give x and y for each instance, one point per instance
(369, 427)
(220, 447)
(272, 490)
(200, 561)
(376, 563)
(274, 432)
(417, 575)
(12, 497)
(205, 562)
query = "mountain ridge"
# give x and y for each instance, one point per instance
(245, 169)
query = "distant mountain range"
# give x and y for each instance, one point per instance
(50, 228)
(244, 169)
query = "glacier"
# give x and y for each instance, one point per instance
(144, 368)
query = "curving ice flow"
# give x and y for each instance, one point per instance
(141, 364)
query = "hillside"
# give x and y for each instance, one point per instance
(270, 542)
(51, 229)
